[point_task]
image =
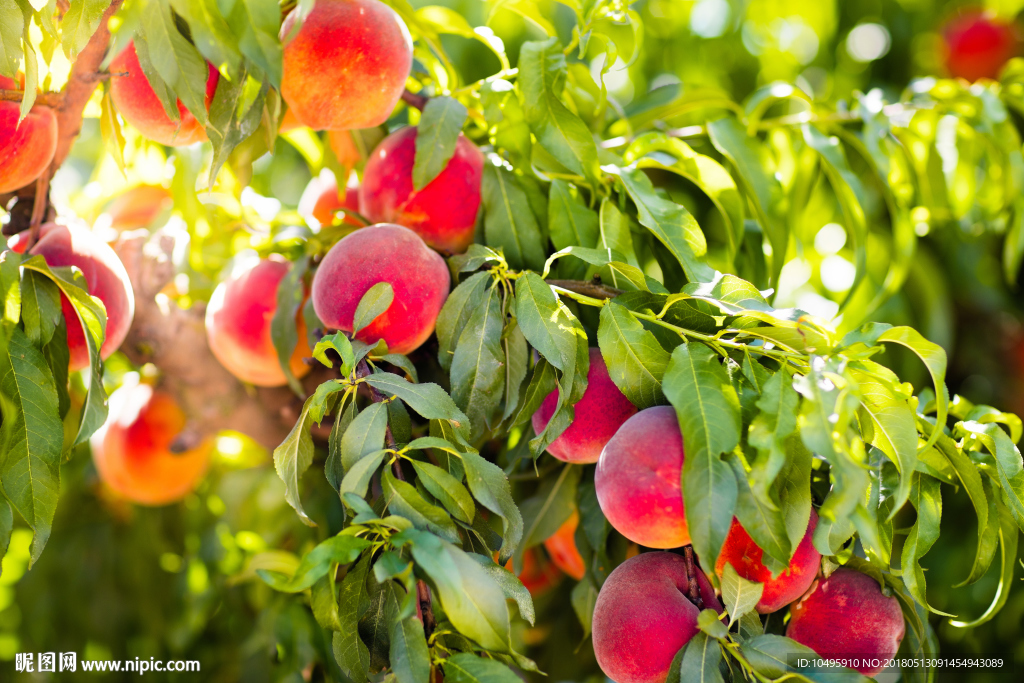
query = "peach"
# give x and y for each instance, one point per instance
(383, 253)
(346, 65)
(322, 201)
(977, 46)
(136, 101)
(599, 414)
(138, 207)
(745, 556)
(238, 322)
(638, 480)
(141, 453)
(644, 615)
(848, 616)
(444, 212)
(105, 277)
(26, 148)
(561, 546)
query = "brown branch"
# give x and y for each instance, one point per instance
(592, 288)
(424, 610)
(45, 99)
(414, 99)
(693, 588)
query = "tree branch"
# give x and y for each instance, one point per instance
(593, 288)
(414, 99)
(45, 99)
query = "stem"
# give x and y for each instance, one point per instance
(423, 606)
(589, 288)
(363, 370)
(45, 99)
(693, 588)
(414, 99)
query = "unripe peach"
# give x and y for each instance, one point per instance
(383, 253)
(745, 556)
(136, 101)
(978, 46)
(599, 414)
(561, 546)
(848, 616)
(105, 277)
(322, 201)
(444, 212)
(141, 451)
(26, 149)
(638, 480)
(644, 615)
(238, 321)
(138, 207)
(346, 65)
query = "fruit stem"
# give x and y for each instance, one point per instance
(414, 99)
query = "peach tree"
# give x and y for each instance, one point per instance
(545, 334)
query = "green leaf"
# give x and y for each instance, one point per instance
(636, 361)
(292, 458)
(760, 184)
(517, 359)
(375, 623)
(447, 489)
(709, 621)
(365, 435)
(894, 429)
(770, 430)
(769, 655)
(257, 24)
(510, 585)
(323, 600)
(210, 32)
(584, 599)
(509, 223)
(375, 302)
(410, 657)
(78, 25)
(1009, 466)
(491, 488)
(342, 346)
(570, 221)
(283, 330)
(477, 375)
(31, 435)
(671, 223)
(466, 667)
(460, 305)
(341, 549)
(700, 660)
(698, 387)
(762, 519)
(350, 652)
(429, 400)
(550, 507)
(542, 73)
(177, 61)
(357, 478)
(926, 497)
(545, 322)
(164, 93)
(472, 601)
(235, 113)
(403, 499)
(740, 596)
(11, 293)
(6, 527)
(12, 25)
(1008, 538)
(436, 136)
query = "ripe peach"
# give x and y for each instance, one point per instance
(562, 548)
(105, 276)
(599, 414)
(644, 615)
(977, 46)
(139, 452)
(347, 64)
(135, 99)
(538, 574)
(138, 207)
(848, 616)
(444, 212)
(26, 149)
(238, 325)
(638, 480)
(322, 201)
(745, 557)
(383, 253)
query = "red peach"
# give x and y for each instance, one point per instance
(139, 451)
(444, 212)
(136, 101)
(644, 615)
(346, 65)
(383, 253)
(238, 322)
(744, 555)
(26, 148)
(638, 480)
(322, 201)
(562, 548)
(977, 46)
(105, 277)
(599, 414)
(848, 616)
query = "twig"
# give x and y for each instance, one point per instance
(45, 99)
(39, 203)
(592, 288)
(363, 370)
(424, 609)
(414, 99)
(693, 588)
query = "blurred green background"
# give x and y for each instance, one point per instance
(178, 582)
